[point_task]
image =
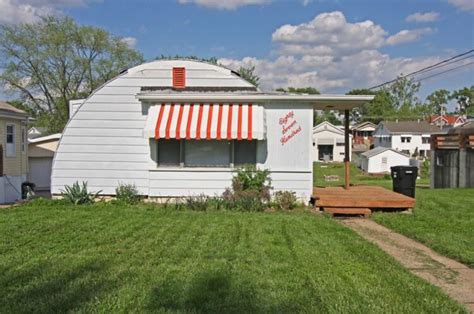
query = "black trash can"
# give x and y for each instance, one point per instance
(404, 179)
(25, 187)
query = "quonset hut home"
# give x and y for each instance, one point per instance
(179, 127)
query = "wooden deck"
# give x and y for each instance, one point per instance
(358, 199)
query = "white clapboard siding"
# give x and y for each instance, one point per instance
(65, 156)
(115, 174)
(101, 182)
(106, 140)
(106, 124)
(102, 132)
(127, 116)
(113, 149)
(118, 107)
(93, 166)
(103, 142)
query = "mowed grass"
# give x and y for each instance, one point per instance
(443, 219)
(357, 177)
(108, 258)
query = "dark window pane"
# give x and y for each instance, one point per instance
(168, 153)
(207, 153)
(9, 138)
(245, 152)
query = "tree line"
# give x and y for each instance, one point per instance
(47, 63)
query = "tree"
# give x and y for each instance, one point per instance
(403, 92)
(380, 108)
(55, 60)
(299, 90)
(212, 60)
(437, 101)
(248, 74)
(325, 115)
(465, 100)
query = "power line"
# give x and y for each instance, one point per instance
(446, 71)
(433, 66)
(445, 64)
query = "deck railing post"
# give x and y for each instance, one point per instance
(347, 156)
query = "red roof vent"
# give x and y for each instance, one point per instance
(179, 77)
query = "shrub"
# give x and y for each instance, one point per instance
(285, 200)
(127, 193)
(78, 194)
(250, 190)
(199, 202)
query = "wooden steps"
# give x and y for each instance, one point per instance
(348, 211)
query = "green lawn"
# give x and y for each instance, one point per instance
(357, 177)
(443, 219)
(105, 257)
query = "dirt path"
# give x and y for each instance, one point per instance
(454, 278)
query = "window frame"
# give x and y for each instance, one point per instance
(182, 149)
(10, 148)
(23, 140)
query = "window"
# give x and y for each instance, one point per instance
(406, 139)
(384, 160)
(10, 140)
(23, 140)
(245, 152)
(425, 140)
(204, 153)
(406, 151)
(340, 144)
(169, 153)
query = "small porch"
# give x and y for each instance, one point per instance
(359, 200)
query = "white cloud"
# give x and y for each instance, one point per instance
(464, 5)
(408, 35)
(331, 33)
(333, 55)
(26, 11)
(129, 41)
(306, 2)
(419, 17)
(225, 4)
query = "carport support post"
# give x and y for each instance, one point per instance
(347, 158)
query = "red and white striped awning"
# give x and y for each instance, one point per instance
(205, 121)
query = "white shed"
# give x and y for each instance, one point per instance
(380, 159)
(328, 142)
(180, 127)
(40, 158)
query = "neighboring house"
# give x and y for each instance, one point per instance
(35, 132)
(175, 128)
(328, 142)
(408, 137)
(452, 158)
(380, 159)
(41, 152)
(363, 133)
(14, 152)
(447, 121)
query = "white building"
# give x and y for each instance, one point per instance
(328, 142)
(41, 152)
(408, 137)
(380, 159)
(178, 127)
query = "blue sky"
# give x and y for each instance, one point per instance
(331, 45)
